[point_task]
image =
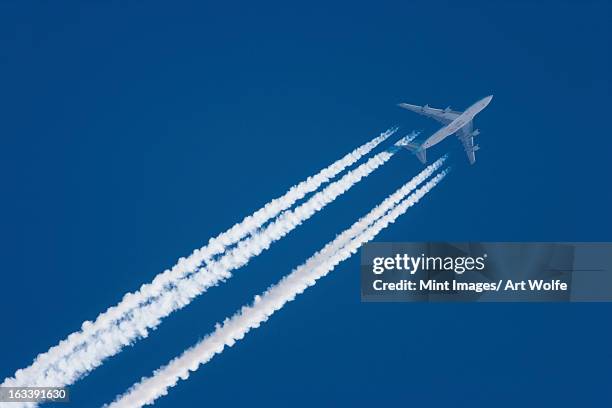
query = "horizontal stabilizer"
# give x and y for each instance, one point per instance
(417, 150)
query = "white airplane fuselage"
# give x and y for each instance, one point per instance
(459, 122)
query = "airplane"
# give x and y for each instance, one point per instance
(460, 122)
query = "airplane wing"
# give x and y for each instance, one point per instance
(466, 135)
(444, 116)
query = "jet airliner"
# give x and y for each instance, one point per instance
(455, 122)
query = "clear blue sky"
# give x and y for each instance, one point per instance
(131, 133)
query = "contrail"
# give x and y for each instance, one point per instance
(140, 320)
(109, 342)
(32, 374)
(236, 327)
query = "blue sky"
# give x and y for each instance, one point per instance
(133, 133)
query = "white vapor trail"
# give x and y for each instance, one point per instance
(149, 315)
(274, 298)
(55, 359)
(109, 342)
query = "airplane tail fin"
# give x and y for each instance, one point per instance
(417, 150)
